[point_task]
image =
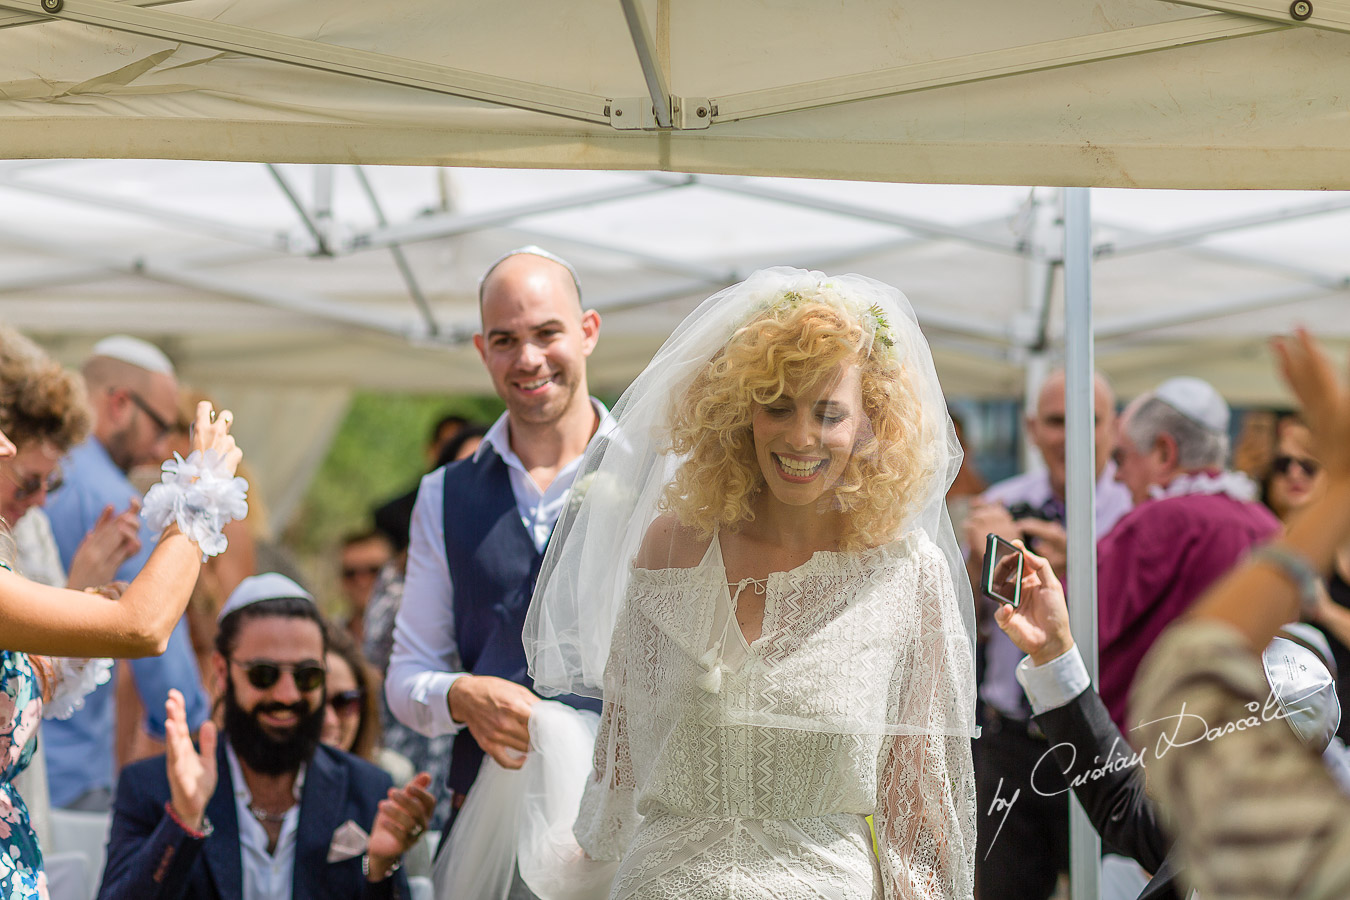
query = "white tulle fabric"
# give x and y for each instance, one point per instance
(72, 681)
(521, 820)
(201, 496)
(727, 769)
(584, 577)
(700, 806)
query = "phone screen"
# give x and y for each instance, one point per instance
(1002, 571)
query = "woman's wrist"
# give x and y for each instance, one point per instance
(378, 868)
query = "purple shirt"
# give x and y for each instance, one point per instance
(1153, 565)
(1000, 687)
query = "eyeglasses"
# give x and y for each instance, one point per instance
(345, 703)
(263, 673)
(1282, 465)
(161, 426)
(350, 572)
(31, 485)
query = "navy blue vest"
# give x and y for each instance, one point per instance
(493, 566)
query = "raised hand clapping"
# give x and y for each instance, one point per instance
(192, 774)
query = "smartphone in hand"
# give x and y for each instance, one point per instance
(1002, 579)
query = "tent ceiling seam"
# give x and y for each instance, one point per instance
(405, 270)
(16, 19)
(326, 57)
(1328, 15)
(989, 65)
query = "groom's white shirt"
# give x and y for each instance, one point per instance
(425, 660)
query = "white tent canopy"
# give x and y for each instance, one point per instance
(1119, 93)
(1127, 93)
(277, 288)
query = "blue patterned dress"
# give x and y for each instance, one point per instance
(21, 875)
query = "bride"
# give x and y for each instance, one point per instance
(758, 576)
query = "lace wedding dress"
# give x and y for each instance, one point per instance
(708, 787)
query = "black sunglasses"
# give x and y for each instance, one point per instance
(346, 702)
(162, 426)
(350, 572)
(263, 673)
(1282, 465)
(30, 485)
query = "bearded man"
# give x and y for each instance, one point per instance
(265, 811)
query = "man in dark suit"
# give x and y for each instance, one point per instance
(265, 812)
(1085, 745)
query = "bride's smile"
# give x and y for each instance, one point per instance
(804, 439)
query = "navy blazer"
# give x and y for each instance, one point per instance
(151, 856)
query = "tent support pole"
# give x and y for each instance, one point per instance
(651, 66)
(379, 67)
(1329, 16)
(320, 242)
(278, 241)
(430, 228)
(15, 19)
(989, 65)
(925, 227)
(400, 258)
(1130, 326)
(1081, 479)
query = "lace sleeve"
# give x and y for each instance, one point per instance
(925, 817)
(608, 817)
(67, 682)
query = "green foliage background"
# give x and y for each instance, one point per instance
(378, 453)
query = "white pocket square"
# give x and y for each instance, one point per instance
(349, 842)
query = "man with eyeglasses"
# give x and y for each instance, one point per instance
(1020, 851)
(264, 810)
(1193, 520)
(133, 395)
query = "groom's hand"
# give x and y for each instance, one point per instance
(497, 713)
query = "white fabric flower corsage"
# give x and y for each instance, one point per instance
(74, 680)
(200, 496)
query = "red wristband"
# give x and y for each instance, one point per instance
(192, 832)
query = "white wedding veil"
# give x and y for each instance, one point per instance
(619, 491)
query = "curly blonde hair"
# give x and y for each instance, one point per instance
(792, 343)
(39, 399)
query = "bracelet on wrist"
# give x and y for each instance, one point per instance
(198, 833)
(365, 867)
(1296, 567)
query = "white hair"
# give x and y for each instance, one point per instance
(1198, 447)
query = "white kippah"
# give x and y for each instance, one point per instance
(531, 250)
(1304, 689)
(1196, 400)
(139, 353)
(256, 588)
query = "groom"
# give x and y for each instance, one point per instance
(480, 525)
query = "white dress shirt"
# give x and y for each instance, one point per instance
(425, 661)
(267, 876)
(1056, 683)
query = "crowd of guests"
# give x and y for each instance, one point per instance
(1172, 518)
(257, 753)
(87, 445)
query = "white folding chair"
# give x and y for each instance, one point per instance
(68, 876)
(85, 833)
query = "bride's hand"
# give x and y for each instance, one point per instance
(211, 431)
